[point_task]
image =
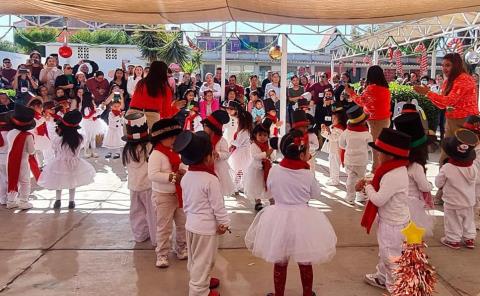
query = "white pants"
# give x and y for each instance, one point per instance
(23, 184)
(390, 241)
(202, 250)
(334, 161)
(459, 224)
(354, 174)
(3, 183)
(142, 216)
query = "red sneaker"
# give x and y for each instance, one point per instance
(469, 243)
(452, 245)
(214, 283)
(213, 293)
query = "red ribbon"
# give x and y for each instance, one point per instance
(463, 164)
(215, 122)
(357, 128)
(387, 147)
(266, 163)
(15, 159)
(202, 168)
(175, 161)
(294, 164)
(91, 115)
(116, 112)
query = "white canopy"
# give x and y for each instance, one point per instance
(307, 12)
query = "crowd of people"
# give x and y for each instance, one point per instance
(185, 148)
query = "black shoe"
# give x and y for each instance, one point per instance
(71, 204)
(258, 207)
(57, 204)
(116, 156)
(109, 155)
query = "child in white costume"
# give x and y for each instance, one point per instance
(355, 141)
(458, 177)
(40, 132)
(67, 170)
(213, 125)
(291, 229)
(388, 194)
(92, 125)
(49, 115)
(261, 162)
(204, 207)
(193, 122)
(135, 156)
(232, 126)
(113, 138)
(5, 127)
(240, 148)
(332, 134)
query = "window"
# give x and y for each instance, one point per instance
(83, 53)
(202, 45)
(110, 53)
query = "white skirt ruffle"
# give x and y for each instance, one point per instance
(113, 138)
(240, 159)
(224, 173)
(66, 174)
(254, 183)
(42, 142)
(298, 232)
(92, 128)
(420, 215)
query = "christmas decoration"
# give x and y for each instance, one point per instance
(192, 45)
(398, 61)
(65, 51)
(422, 60)
(390, 54)
(367, 60)
(275, 53)
(472, 57)
(414, 275)
(456, 45)
(354, 68)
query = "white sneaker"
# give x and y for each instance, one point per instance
(12, 205)
(361, 197)
(87, 154)
(372, 280)
(350, 201)
(332, 183)
(162, 262)
(182, 254)
(24, 205)
(3, 201)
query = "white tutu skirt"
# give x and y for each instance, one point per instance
(240, 159)
(254, 183)
(297, 232)
(113, 138)
(92, 128)
(66, 174)
(224, 173)
(420, 215)
(42, 142)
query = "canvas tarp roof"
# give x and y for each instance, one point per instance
(308, 12)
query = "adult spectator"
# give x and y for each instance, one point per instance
(24, 85)
(376, 103)
(119, 79)
(275, 85)
(130, 71)
(133, 80)
(80, 80)
(194, 85)
(266, 81)
(76, 101)
(49, 74)
(34, 64)
(211, 85)
(338, 87)
(253, 79)
(99, 87)
(218, 77)
(458, 95)
(4, 82)
(66, 81)
(6, 104)
(413, 79)
(7, 71)
(317, 91)
(184, 86)
(239, 90)
(199, 82)
(406, 79)
(345, 98)
(83, 66)
(305, 81)
(153, 95)
(145, 71)
(294, 93)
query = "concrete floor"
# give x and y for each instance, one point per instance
(90, 250)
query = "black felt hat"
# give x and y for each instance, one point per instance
(392, 142)
(165, 128)
(273, 141)
(337, 107)
(356, 115)
(303, 103)
(263, 126)
(411, 124)
(71, 119)
(461, 147)
(193, 147)
(22, 118)
(216, 120)
(5, 121)
(269, 105)
(409, 108)
(136, 127)
(234, 105)
(473, 123)
(299, 119)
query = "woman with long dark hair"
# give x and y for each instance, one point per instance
(458, 95)
(375, 101)
(154, 97)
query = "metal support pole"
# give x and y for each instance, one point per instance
(332, 67)
(283, 84)
(375, 57)
(433, 66)
(224, 61)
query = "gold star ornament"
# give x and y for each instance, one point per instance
(413, 233)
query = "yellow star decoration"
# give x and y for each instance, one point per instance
(413, 233)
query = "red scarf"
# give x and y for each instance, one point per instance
(202, 168)
(15, 159)
(274, 119)
(188, 126)
(342, 151)
(41, 129)
(215, 139)
(370, 209)
(294, 164)
(91, 114)
(266, 163)
(463, 164)
(2, 141)
(116, 112)
(175, 161)
(357, 128)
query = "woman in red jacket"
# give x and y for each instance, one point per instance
(153, 95)
(376, 101)
(458, 95)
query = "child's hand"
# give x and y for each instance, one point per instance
(232, 148)
(269, 152)
(181, 172)
(216, 155)
(360, 185)
(221, 229)
(279, 123)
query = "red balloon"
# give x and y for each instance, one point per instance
(65, 51)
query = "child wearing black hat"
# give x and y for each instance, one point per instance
(135, 158)
(271, 113)
(21, 158)
(165, 171)
(40, 132)
(67, 170)
(261, 163)
(290, 229)
(473, 124)
(92, 125)
(240, 148)
(213, 126)
(231, 128)
(5, 127)
(313, 143)
(387, 194)
(457, 178)
(354, 140)
(419, 197)
(193, 122)
(205, 210)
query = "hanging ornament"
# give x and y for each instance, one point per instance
(398, 61)
(472, 57)
(65, 51)
(354, 68)
(422, 60)
(390, 54)
(367, 60)
(275, 53)
(456, 45)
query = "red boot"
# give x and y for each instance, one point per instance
(214, 283)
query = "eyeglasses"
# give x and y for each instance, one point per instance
(7, 62)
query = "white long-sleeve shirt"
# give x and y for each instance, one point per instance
(356, 147)
(4, 149)
(458, 185)
(417, 181)
(138, 173)
(257, 156)
(313, 144)
(159, 169)
(131, 84)
(222, 150)
(203, 203)
(242, 140)
(216, 88)
(333, 137)
(391, 198)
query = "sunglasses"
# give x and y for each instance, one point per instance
(68, 68)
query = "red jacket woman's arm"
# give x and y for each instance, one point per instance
(461, 87)
(362, 99)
